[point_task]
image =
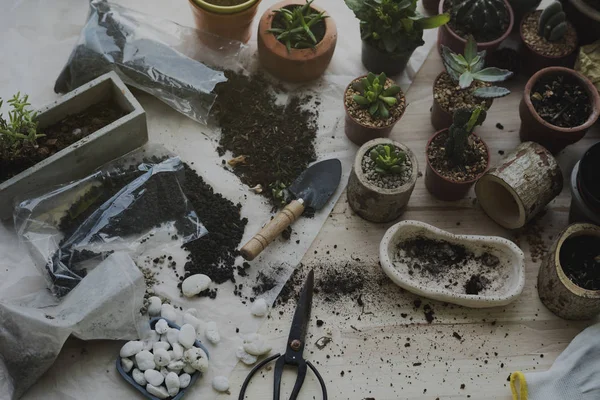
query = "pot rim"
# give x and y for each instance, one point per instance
(586, 9)
(585, 82)
(511, 23)
(451, 180)
(537, 52)
(215, 9)
(373, 127)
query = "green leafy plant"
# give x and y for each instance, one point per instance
(484, 19)
(299, 22)
(464, 121)
(552, 24)
(21, 126)
(388, 159)
(374, 96)
(464, 69)
(393, 26)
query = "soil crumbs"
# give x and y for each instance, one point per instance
(476, 159)
(580, 260)
(561, 101)
(362, 115)
(451, 97)
(566, 45)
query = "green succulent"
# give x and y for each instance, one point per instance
(388, 159)
(464, 121)
(553, 22)
(374, 96)
(21, 125)
(299, 23)
(464, 69)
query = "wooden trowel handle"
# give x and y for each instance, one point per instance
(261, 240)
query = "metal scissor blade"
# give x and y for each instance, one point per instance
(301, 319)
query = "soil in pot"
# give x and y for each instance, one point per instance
(450, 96)
(387, 181)
(565, 46)
(481, 36)
(318, 29)
(580, 261)
(561, 101)
(58, 137)
(362, 115)
(475, 155)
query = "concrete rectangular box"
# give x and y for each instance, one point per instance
(81, 158)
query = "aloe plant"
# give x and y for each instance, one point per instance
(299, 22)
(552, 24)
(464, 121)
(374, 96)
(388, 159)
(21, 126)
(467, 68)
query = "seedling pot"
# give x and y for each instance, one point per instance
(234, 23)
(299, 65)
(535, 128)
(558, 293)
(371, 202)
(444, 188)
(585, 18)
(377, 61)
(585, 204)
(82, 157)
(527, 179)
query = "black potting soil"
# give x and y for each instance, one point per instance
(561, 100)
(580, 260)
(434, 256)
(476, 284)
(339, 281)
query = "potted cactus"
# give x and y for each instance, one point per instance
(230, 19)
(466, 83)
(391, 30)
(456, 158)
(373, 103)
(488, 21)
(548, 40)
(382, 179)
(296, 40)
(585, 16)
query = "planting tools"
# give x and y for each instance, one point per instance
(312, 189)
(295, 348)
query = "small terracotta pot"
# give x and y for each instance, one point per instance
(358, 133)
(449, 38)
(299, 65)
(371, 202)
(232, 26)
(534, 128)
(442, 187)
(532, 61)
(558, 293)
(431, 6)
(585, 18)
(377, 62)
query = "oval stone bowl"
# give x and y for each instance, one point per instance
(507, 275)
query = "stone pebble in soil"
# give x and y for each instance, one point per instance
(195, 284)
(196, 358)
(154, 377)
(173, 335)
(154, 306)
(259, 308)
(126, 364)
(161, 327)
(212, 332)
(161, 358)
(388, 181)
(150, 339)
(187, 336)
(138, 377)
(131, 348)
(172, 384)
(145, 360)
(159, 392)
(184, 380)
(451, 97)
(198, 324)
(244, 357)
(177, 353)
(167, 311)
(176, 366)
(161, 345)
(256, 345)
(220, 383)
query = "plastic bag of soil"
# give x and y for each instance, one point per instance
(133, 204)
(157, 56)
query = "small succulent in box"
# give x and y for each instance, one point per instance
(553, 22)
(485, 19)
(464, 69)
(388, 159)
(21, 126)
(299, 23)
(374, 96)
(464, 121)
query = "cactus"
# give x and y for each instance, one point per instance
(484, 19)
(464, 121)
(553, 22)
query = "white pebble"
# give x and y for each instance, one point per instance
(193, 311)
(212, 333)
(163, 338)
(244, 357)
(127, 364)
(188, 369)
(159, 392)
(197, 323)
(161, 345)
(197, 359)
(161, 327)
(184, 380)
(256, 345)
(173, 335)
(177, 352)
(154, 306)
(131, 348)
(154, 377)
(164, 372)
(150, 339)
(145, 360)
(176, 366)
(161, 358)
(167, 311)
(138, 377)
(259, 308)
(172, 382)
(220, 383)
(195, 284)
(187, 336)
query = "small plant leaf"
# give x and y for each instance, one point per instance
(360, 100)
(359, 86)
(470, 49)
(390, 101)
(492, 74)
(396, 169)
(383, 111)
(465, 79)
(433, 22)
(391, 91)
(491, 92)
(373, 108)
(371, 77)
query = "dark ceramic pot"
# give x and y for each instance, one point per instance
(585, 188)
(377, 61)
(585, 18)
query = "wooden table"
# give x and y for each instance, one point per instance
(385, 349)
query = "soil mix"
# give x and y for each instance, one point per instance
(481, 36)
(475, 155)
(451, 97)
(362, 115)
(561, 101)
(566, 45)
(58, 137)
(318, 29)
(580, 261)
(386, 181)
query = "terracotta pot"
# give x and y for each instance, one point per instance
(299, 65)
(372, 202)
(558, 293)
(444, 188)
(377, 61)
(532, 61)
(585, 18)
(554, 138)
(449, 38)
(585, 201)
(431, 6)
(234, 23)
(520, 8)
(358, 133)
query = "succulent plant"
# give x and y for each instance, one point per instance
(552, 24)
(464, 69)
(483, 19)
(388, 159)
(21, 125)
(464, 121)
(299, 23)
(374, 96)
(393, 26)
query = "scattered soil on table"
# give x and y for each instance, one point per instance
(386, 181)
(451, 97)
(226, 3)
(362, 115)
(276, 139)
(475, 155)
(476, 284)
(561, 101)
(533, 233)
(481, 36)
(580, 261)
(505, 58)
(566, 45)
(318, 29)
(58, 137)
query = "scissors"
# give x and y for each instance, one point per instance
(295, 348)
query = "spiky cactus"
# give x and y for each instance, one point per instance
(484, 19)
(464, 121)
(553, 22)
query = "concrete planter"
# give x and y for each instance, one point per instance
(81, 158)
